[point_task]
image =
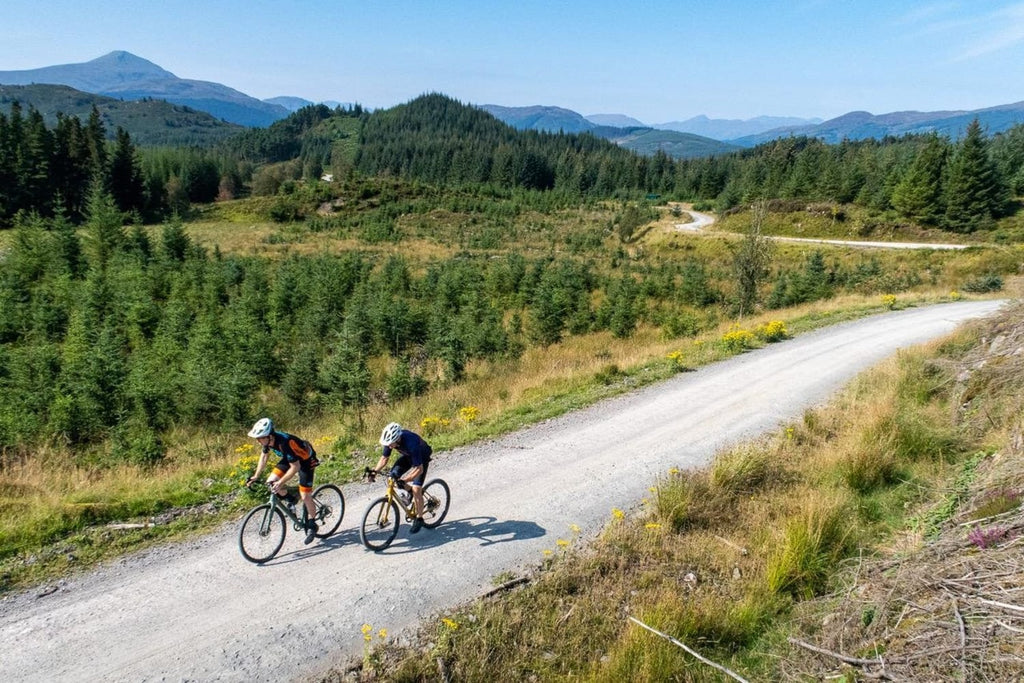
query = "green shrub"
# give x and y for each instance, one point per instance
(741, 470)
(810, 546)
(869, 468)
(983, 284)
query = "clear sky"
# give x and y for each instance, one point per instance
(654, 60)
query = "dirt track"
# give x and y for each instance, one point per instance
(197, 611)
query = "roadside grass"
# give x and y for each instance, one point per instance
(719, 558)
(828, 220)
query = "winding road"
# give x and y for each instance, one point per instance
(196, 611)
(699, 221)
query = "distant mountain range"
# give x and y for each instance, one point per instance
(123, 76)
(293, 104)
(857, 125)
(639, 138)
(861, 125)
(733, 129)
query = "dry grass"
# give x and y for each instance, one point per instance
(725, 559)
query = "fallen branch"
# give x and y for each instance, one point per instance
(127, 525)
(675, 642)
(738, 548)
(1009, 628)
(442, 670)
(988, 519)
(963, 639)
(505, 586)
(855, 661)
(1004, 605)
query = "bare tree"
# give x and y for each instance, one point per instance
(753, 259)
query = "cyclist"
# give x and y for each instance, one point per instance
(411, 466)
(297, 457)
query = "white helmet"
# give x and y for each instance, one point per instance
(262, 428)
(390, 434)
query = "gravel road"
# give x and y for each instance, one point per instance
(699, 221)
(196, 611)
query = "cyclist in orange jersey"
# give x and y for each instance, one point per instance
(297, 458)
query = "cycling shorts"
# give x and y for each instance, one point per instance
(403, 464)
(305, 472)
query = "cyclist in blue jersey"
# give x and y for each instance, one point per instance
(297, 458)
(411, 466)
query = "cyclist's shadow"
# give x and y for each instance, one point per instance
(487, 529)
(318, 547)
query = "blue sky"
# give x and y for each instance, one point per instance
(655, 60)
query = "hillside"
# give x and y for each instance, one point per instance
(125, 76)
(149, 122)
(538, 117)
(647, 141)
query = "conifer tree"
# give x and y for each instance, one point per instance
(973, 191)
(918, 195)
(104, 228)
(126, 182)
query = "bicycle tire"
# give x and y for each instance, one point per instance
(437, 497)
(330, 508)
(262, 534)
(378, 530)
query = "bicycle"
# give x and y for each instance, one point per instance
(382, 517)
(262, 532)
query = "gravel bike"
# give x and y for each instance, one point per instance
(262, 532)
(382, 516)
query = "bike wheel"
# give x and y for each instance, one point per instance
(261, 534)
(436, 499)
(380, 524)
(330, 508)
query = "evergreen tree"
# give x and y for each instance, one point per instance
(127, 186)
(345, 375)
(973, 191)
(96, 144)
(918, 195)
(104, 228)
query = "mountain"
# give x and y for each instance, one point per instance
(730, 129)
(149, 122)
(639, 138)
(538, 117)
(124, 76)
(293, 104)
(861, 125)
(615, 120)
(646, 141)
